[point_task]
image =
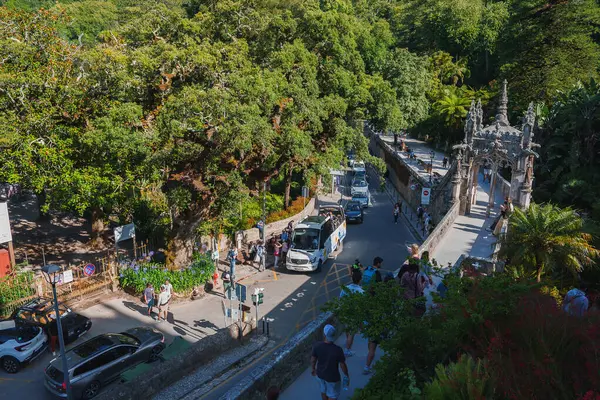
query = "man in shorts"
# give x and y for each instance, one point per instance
(327, 358)
(163, 304)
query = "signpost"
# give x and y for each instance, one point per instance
(257, 299)
(425, 196)
(65, 277)
(125, 232)
(304, 195)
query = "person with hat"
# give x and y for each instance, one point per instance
(327, 359)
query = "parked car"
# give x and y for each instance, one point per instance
(102, 359)
(359, 186)
(353, 211)
(20, 345)
(38, 313)
(362, 198)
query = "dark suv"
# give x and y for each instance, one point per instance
(101, 360)
(38, 312)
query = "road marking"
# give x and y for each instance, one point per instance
(274, 274)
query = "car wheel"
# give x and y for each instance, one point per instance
(155, 352)
(11, 364)
(319, 267)
(91, 390)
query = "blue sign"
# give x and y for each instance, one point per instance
(89, 270)
(240, 292)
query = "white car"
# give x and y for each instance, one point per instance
(20, 345)
(359, 186)
(358, 166)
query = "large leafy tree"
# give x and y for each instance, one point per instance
(546, 238)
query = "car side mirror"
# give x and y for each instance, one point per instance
(68, 310)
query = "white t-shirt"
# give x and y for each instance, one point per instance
(169, 289)
(352, 288)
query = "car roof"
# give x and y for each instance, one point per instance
(88, 349)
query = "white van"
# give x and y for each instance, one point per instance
(315, 238)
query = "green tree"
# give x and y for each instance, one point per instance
(547, 238)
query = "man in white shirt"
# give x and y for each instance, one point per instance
(163, 304)
(354, 287)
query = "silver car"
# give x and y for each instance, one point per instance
(101, 360)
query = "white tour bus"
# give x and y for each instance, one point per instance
(315, 238)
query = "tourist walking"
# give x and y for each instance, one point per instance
(412, 282)
(396, 212)
(53, 332)
(276, 252)
(576, 303)
(327, 359)
(149, 297)
(356, 266)
(232, 257)
(260, 253)
(354, 287)
(372, 273)
(445, 162)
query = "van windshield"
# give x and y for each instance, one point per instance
(306, 239)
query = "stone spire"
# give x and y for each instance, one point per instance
(470, 124)
(502, 114)
(479, 117)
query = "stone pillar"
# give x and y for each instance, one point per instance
(491, 200)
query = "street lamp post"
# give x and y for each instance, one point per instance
(51, 274)
(263, 259)
(431, 156)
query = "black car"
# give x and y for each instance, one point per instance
(40, 312)
(102, 359)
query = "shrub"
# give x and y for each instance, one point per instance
(465, 379)
(295, 207)
(134, 278)
(15, 287)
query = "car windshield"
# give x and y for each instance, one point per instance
(359, 184)
(353, 207)
(305, 239)
(92, 346)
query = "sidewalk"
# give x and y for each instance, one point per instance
(468, 234)
(423, 152)
(307, 387)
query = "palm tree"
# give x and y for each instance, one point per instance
(453, 108)
(546, 237)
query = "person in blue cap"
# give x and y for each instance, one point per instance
(327, 359)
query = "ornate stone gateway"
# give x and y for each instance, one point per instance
(495, 146)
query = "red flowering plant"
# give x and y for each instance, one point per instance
(539, 352)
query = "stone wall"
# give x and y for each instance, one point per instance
(440, 230)
(403, 177)
(503, 185)
(251, 235)
(170, 371)
(285, 366)
(276, 227)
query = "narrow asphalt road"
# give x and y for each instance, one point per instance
(376, 236)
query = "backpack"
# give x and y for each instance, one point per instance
(369, 275)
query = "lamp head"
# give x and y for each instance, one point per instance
(51, 273)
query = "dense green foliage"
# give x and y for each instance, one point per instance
(548, 239)
(135, 277)
(491, 337)
(172, 113)
(16, 287)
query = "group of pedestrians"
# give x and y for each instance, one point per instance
(161, 300)
(327, 357)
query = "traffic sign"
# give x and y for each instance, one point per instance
(240, 292)
(425, 196)
(89, 270)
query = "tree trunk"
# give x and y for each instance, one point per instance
(41, 199)
(288, 187)
(181, 245)
(540, 268)
(97, 227)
